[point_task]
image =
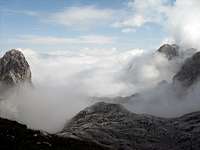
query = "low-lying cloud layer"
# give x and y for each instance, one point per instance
(65, 82)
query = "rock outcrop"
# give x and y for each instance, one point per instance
(170, 51)
(113, 126)
(189, 72)
(15, 136)
(14, 68)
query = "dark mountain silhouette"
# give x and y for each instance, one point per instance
(16, 136)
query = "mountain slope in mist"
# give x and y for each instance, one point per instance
(165, 97)
(189, 72)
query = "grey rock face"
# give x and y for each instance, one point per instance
(170, 51)
(189, 72)
(113, 126)
(14, 68)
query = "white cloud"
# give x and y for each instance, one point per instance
(83, 17)
(141, 12)
(131, 22)
(51, 40)
(169, 40)
(184, 22)
(20, 12)
(96, 68)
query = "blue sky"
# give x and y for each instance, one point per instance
(77, 24)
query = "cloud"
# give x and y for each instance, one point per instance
(64, 82)
(96, 68)
(131, 22)
(81, 17)
(20, 12)
(51, 40)
(184, 22)
(148, 70)
(141, 12)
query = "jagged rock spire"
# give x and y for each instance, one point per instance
(169, 51)
(14, 68)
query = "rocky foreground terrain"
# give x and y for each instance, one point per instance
(105, 125)
(15, 136)
(113, 126)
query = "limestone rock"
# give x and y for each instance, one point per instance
(14, 68)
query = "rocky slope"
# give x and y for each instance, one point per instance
(14, 68)
(15, 136)
(113, 126)
(189, 72)
(106, 126)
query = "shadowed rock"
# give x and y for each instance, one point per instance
(189, 72)
(15, 136)
(170, 51)
(14, 68)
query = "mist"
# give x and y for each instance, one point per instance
(65, 82)
(184, 22)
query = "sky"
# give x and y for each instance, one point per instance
(78, 24)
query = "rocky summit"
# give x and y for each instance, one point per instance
(111, 125)
(170, 51)
(189, 72)
(14, 68)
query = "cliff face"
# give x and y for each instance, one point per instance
(14, 68)
(113, 126)
(189, 72)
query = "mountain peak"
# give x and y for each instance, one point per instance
(14, 68)
(169, 51)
